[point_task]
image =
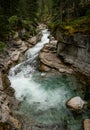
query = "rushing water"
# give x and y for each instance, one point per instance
(42, 96)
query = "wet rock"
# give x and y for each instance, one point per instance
(10, 91)
(76, 104)
(4, 81)
(87, 124)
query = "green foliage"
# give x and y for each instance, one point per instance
(16, 15)
(13, 21)
(28, 9)
(4, 25)
(78, 21)
(2, 45)
(81, 24)
(70, 17)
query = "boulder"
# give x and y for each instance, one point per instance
(76, 104)
(87, 124)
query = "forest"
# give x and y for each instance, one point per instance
(18, 14)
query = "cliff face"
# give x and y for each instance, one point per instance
(75, 50)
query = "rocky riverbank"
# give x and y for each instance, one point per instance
(69, 55)
(12, 55)
(50, 60)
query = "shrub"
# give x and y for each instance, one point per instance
(13, 21)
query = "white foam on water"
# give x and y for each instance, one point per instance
(27, 89)
(44, 40)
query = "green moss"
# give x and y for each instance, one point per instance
(81, 24)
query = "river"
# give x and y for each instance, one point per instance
(43, 97)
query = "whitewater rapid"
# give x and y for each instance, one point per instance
(42, 97)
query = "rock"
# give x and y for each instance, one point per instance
(9, 64)
(49, 59)
(23, 48)
(41, 26)
(15, 56)
(87, 124)
(6, 113)
(19, 42)
(51, 46)
(15, 122)
(4, 109)
(4, 81)
(43, 67)
(32, 40)
(66, 70)
(76, 104)
(39, 36)
(74, 50)
(52, 61)
(10, 91)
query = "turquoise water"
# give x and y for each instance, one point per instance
(51, 108)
